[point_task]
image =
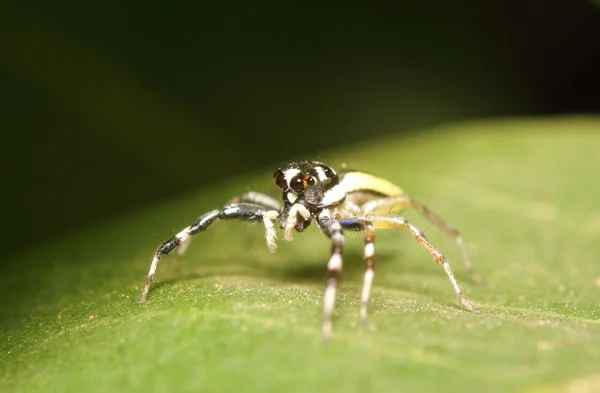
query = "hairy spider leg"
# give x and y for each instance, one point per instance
(252, 197)
(257, 198)
(394, 204)
(369, 269)
(333, 230)
(240, 211)
(392, 221)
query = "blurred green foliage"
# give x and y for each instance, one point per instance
(108, 107)
(112, 106)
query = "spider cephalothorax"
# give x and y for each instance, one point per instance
(348, 201)
(311, 183)
(308, 187)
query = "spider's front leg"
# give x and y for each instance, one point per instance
(361, 224)
(333, 230)
(241, 211)
(254, 198)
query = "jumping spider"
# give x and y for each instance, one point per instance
(351, 201)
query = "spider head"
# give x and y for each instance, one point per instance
(311, 183)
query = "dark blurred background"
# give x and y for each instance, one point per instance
(111, 106)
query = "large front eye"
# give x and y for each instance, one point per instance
(280, 180)
(297, 184)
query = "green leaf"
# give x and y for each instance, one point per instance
(229, 316)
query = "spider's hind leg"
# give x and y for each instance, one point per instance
(393, 221)
(395, 204)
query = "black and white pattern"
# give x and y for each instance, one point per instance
(349, 201)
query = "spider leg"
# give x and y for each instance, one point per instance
(369, 269)
(252, 197)
(394, 204)
(257, 198)
(181, 250)
(333, 230)
(393, 221)
(240, 211)
(369, 255)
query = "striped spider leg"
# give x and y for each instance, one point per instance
(397, 203)
(253, 207)
(254, 198)
(385, 221)
(334, 230)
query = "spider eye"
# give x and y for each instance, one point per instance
(297, 184)
(309, 180)
(280, 180)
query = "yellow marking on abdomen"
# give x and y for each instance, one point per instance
(360, 181)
